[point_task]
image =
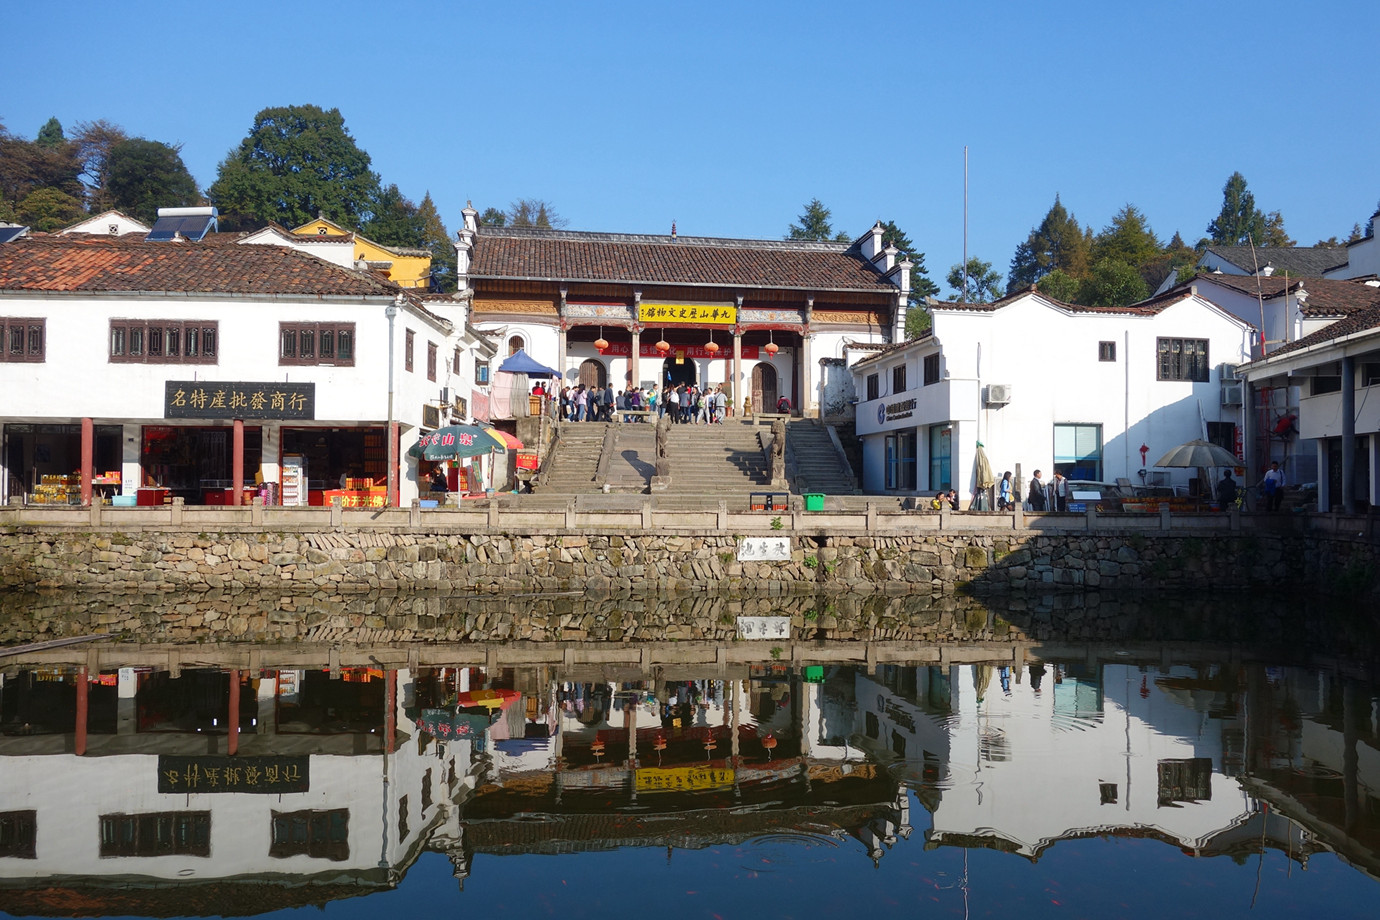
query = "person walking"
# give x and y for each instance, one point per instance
(1004, 496)
(673, 403)
(1273, 484)
(579, 404)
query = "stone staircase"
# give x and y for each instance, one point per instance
(575, 465)
(722, 461)
(812, 460)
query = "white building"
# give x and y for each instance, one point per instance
(1094, 393)
(109, 223)
(193, 368)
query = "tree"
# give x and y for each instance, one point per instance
(983, 282)
(1240, 221)
(814, 225)
(921, 286)
(144, 175)
(394, 220)
(93, 142)
(26, 166)
(49, 209)
(296, 163)
(436, 238)
(1058, 242)
(534, 212)
(918, 321)
(1128, 238)
(50, 135)
(1112, 283)
(1273, 234)
(1178, 257)
(492, 217)
(1060, 286)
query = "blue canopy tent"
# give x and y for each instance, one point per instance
(520, 362)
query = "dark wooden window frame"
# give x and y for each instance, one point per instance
(164, 341)
(1184, 360)
(433, 355)
(163, 833)
(409, 351)
(320, 834)
(23, 339)
(931, 369)
(316, 344)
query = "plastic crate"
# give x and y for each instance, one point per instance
(814, 501)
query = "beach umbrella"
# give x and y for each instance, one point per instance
(454, 441)
(1198, 453)
(507, 440)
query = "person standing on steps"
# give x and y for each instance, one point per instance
(1059, 489)
(1035, 494)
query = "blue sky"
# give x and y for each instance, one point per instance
(729, 117)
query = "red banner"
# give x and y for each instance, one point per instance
(696, 352)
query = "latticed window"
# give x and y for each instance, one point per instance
(164, 341)
(22, 339)
(329, 344)
(1183, 359)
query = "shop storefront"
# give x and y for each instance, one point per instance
(196, 464)
(44, 462)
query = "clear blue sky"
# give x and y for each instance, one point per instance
(729, 117)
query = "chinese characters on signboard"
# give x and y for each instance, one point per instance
(648, 350)
(259, 775)
(226, 399)
(683, 779)
(764, 627)
(764, 549)
(672, 313)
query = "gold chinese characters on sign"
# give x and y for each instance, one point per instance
(683, 779)
(212, 773)
(238, 399)
(670, 313)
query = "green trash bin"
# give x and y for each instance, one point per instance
(814, 501)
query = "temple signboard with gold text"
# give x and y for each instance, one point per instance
(669, 313)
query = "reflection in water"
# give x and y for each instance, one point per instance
(284, 776)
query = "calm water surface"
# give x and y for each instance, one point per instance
(1125, 777)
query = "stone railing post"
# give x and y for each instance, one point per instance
(723, 515)
(944, 512)
(871, 515)
(570, 514)
(1092, 519)
(414, 514)
(175, 514)
(256, 511)
(1018, 518)
(647, 513)
(1234, 519)
(493, 513)
(95, 509)
(1164, 518)
(337, 515)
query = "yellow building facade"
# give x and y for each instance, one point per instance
(409, 268)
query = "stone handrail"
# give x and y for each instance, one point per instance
(506, 514)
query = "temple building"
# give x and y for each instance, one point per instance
(767, 319)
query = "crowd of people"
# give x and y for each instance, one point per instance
(686, 404)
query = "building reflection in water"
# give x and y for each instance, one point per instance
(235, 790)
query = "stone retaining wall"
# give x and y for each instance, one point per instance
(331, 563)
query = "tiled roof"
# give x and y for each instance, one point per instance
(103, 264)
(1360, 321)
(1326, 296)
(1144, 308)
(1296, 260)
(560, 255)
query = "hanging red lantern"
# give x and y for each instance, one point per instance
(771, 349)
(663, 347)
(712, 348)
(601, 344)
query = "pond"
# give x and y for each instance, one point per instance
(1050, 757)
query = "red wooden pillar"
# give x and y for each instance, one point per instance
(390, 714)
(232, 744)
(83, 704)
(394, 461)
(237, 463)
(88, 460)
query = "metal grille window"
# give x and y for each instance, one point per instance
(23, 339)
(325, 344)
(163, 341)
(1182, 359)
(433, 352)
(898, 379)
(319, 834)
(874, 390)
(931, 369)
(1106, 351)
(166, 833)
(409, 351)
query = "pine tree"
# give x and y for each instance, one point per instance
(814, 223)
(1058, 242)
(1128, 238)
(437, 238)
(1240, 221)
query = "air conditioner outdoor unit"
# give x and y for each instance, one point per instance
(998, 394)
(1231, 394)
(1229, 372)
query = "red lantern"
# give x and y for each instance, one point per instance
(771, 349)
(663, 347)
(601, 344)
(712, 348)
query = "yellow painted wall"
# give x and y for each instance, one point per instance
(406, 271)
